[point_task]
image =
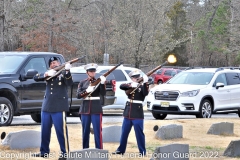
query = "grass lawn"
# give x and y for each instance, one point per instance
(201, 145)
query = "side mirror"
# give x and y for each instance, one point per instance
(218, 85)
(30, 74)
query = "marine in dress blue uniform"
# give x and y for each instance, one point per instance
(54, 107)
(133, 113)
(91, 108)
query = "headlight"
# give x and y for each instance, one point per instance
(190, 93)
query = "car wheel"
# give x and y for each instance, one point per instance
(159, 116)
(6, 112)
(238, 112)
(36, 117)
(160, 82)
(205, 109)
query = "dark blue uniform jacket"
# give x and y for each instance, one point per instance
(56, 95)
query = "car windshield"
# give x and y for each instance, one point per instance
(77, 70)
(10, 63)
(194, 78)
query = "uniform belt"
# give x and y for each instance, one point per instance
(92, 98)
(134, 101)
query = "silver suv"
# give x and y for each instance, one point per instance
(199, 92)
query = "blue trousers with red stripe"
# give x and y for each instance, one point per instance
(58, 119)
(96, 120)
(126, 128)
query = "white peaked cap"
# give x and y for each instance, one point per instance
(90, 66)
(134, 72)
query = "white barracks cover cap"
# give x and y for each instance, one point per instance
(91, 66)
(134, 72)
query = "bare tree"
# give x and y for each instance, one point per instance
(2, 24)
(139, 32)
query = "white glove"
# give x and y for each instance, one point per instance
(134, 84)
(68, 66)
(145, 78)
(51, 72)
(90, 89)
(103, 79)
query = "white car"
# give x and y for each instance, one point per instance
(199, 92)
(121, 76)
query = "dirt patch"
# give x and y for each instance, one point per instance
(202, 145)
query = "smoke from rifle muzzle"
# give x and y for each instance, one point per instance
(3, 135)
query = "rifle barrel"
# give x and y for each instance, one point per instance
(130, 91)
(96, 83)
(59, 68)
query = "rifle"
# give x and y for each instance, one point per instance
(130, 91)
(62, 67)
(97, 82)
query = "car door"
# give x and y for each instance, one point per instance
(32, 91)
(167, 75)
(234, 87)
(222, 94)
(158, 75)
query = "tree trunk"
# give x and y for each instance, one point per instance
(50, 27)
(2, 20)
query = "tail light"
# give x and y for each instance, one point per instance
(114, 85)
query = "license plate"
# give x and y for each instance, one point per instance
(164, 104)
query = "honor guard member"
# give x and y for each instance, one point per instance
(54, 107)
(91, 109)
(133, 112)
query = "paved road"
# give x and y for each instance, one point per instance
(114, 117)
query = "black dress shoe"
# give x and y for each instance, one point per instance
(40, 155)
(118, 152)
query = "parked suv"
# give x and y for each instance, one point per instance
(121, 76)
(164, 74)
(199, 92)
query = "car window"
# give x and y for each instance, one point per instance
(127, 71)
(195, 78)
(10, 63)
(179, 80)
(233, 78)
(118, 74)
(220, 79)
(77, 70)
(168, 73)
(173, 73)
(159, 71)
(36, 63)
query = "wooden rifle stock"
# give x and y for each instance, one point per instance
(61, 67)
(130, 91)
(97, 82)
